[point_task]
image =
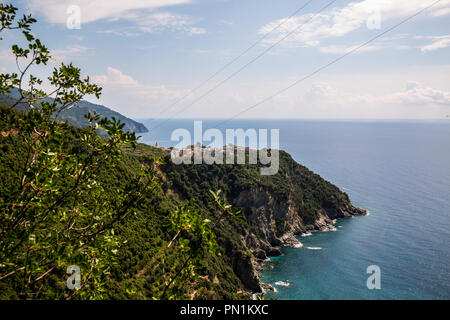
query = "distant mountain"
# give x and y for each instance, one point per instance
(75, 115)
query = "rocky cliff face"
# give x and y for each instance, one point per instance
(277, 208)
(278, 224)
(266, 213)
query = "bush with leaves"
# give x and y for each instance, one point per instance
(55, 213)
(195, 239)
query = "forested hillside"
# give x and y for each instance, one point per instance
(75, 115)
(282, 205)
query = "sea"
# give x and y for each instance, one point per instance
(398, 170)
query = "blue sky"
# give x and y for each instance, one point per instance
(146, 54)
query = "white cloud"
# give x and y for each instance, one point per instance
(338, 22)
(156, 23)
(122, 32)
(7, 58)
(441, 12)
(224, 22)
(434, 43)
(320, 92)
(55, 11)
(127, 95)
(355, 95)
(116, 82)
(323, 100)
(70, 52)
(338, 49)
(140, 12)
(413, 95)
(194, 31)
(360, 96)
(419, 95)
(116, 78)
(394, 41)
(160, 21)
(439, 42)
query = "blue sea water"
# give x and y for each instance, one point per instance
(400, 172)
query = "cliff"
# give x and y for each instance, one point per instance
(277, 208)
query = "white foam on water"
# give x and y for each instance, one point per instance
(314, 248)
(307, 234)
(298, 245)
(283, 283)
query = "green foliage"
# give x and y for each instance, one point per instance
(8, 16)
(75, 115)
(55, 212)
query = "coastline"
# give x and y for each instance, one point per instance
(324, 225)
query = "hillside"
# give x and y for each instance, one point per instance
(276, 209)
(75, 115)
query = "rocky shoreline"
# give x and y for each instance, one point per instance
(261, 265)
(268, 242)
(277, 209)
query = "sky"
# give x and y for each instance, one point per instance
(150, 56)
